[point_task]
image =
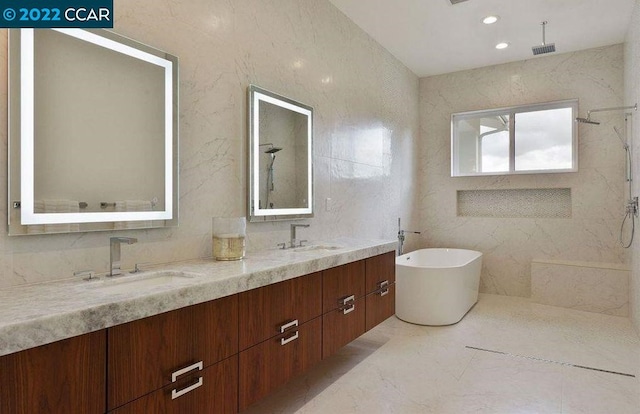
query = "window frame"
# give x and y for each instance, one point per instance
(511, 112)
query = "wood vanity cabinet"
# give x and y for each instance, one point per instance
(216, 357)
(171, 350)
(280, 335)
(343, 306)
(67, 376)
(380, 288)
(265, 310)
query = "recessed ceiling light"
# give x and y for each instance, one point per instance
(490, 19)
(502, 45)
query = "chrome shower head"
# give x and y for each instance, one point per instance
(544, 47)
(587, 120)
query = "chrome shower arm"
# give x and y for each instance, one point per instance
(616, 108)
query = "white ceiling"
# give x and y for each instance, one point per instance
(433, 36)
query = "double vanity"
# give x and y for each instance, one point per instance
(188, 337)
(198, 336)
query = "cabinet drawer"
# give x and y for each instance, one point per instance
(218, 393)
(215, 327)
(342, 282)
(340, 328)
(379, 269)
(143, 354)
(62, 377)
(380, 305)
(265, 310)
(268, 365)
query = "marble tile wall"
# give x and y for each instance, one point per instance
(593, 76)
(632, 95)
(581, 286)
(366, 128)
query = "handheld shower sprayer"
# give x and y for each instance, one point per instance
(620, 137)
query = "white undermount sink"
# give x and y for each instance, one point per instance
(130, 282)
(314, 247)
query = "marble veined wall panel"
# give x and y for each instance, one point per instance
(581, 286)
(366, 128)
(595, 78)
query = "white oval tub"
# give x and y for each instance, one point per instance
(437, 286)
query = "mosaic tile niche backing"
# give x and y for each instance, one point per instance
(518, 203)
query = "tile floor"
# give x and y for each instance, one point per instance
(402, 368)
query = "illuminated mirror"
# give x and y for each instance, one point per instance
(93, 133)
(280, 157)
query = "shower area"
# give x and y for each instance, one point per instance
(283, 151)
(594, 285)
(628, 224)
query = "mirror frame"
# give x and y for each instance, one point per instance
(21, 63)
(255, 213)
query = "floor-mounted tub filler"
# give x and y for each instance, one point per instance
(437, 286)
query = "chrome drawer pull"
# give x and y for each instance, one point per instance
(384, 288)
(284, 341)
(349, 309)
(348, 304)
(175, 375)
(345, 301)
(175, 393)
(286, 326)
(283, 329)
(178, 393)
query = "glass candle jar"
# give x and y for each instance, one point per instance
(228, 237)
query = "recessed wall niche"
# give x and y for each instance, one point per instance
(515, 203)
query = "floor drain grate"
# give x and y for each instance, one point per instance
(550, 361)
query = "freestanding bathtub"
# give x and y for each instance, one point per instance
(437, 286)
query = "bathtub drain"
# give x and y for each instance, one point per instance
(550, 361)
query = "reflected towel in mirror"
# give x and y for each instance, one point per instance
(54, 206)
(132, 205)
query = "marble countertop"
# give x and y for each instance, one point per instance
(35, 315)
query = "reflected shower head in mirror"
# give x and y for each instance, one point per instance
(271, 149)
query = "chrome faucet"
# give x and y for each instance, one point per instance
(401, 237)
(114, 256)
(293, 233)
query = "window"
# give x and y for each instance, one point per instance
(538, 138)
